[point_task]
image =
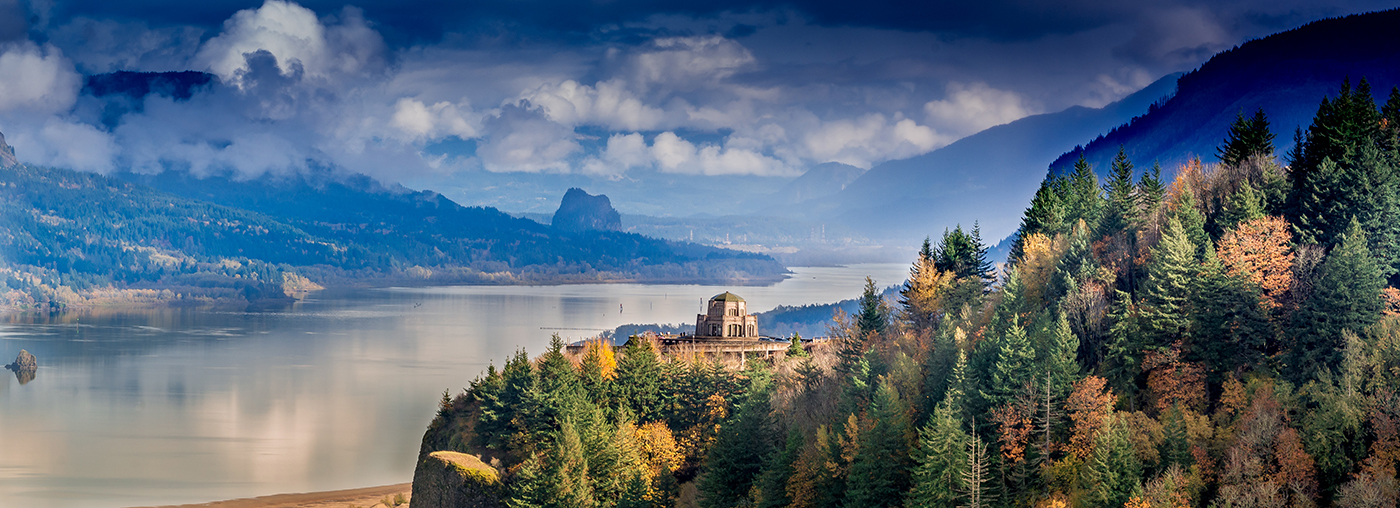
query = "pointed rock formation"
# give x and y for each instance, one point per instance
(7, 154)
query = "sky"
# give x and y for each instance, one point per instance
(601, 90)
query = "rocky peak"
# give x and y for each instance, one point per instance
(7, 154)
(580, 211)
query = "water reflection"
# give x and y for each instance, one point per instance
(22, 374)
(185, 405)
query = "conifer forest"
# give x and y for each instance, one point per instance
(1214, 335)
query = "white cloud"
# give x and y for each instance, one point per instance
(970, 108)
(608, 103)
(674, 154)
(623, 152)
(439, 120)
(295, 37)
(870, 139)
(687, 62)
(55, 142)
(523, 140)
(36, 79)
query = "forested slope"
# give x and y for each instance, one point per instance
(1224, 336)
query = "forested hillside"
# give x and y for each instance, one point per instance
(69, 237)
(1282, 74)
(1220, 335)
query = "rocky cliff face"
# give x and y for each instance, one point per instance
(456, 480)
(7, 154)
(580, 211)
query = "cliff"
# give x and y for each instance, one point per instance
(580, 211)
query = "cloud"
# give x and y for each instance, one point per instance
(295, 38)
(100, 46)
(524, 140)
(36, 79)
(970, 108)
(609, 104)
(869, 139)
(437, 121)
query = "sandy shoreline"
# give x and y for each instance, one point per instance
(364, 498)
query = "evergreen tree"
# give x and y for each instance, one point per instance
(874, 315)
(964, 254)
(1013, 368)
(558, 479)
(737, 457)
(1247, 138)
(1229, 325)
(1057, 355)
(557, 393)
(879, 474)
(1342, 125)
(499, 407)
(795, 350)
(778, 471)
(1123, 360)
(1165, 316)
(976, 476)
(1082, 201)
(1363, 186)
(1345, 296)
(938, 367)
(638, 383)
(1193, 222)
(1121, 206)
(1151, 191)
(1111, 475)
(1046, 215)
(940, 461)
(1242, 206)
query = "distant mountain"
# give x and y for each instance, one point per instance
(821, 180)
(386, 229)
(984, 177)
(580, 211)
(1287, 74)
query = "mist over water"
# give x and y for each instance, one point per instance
(162, 406)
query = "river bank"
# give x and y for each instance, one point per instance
(365, 498)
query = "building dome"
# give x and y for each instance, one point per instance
(726, 297)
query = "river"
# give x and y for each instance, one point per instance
(166, 406)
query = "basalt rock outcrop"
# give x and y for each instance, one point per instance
(456, 480)
(7, 154)
(581, 211)
(24, 367)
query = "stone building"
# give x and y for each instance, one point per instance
(726, 318)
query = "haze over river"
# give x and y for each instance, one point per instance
(163, 406)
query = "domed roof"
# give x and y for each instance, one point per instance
(726, 297)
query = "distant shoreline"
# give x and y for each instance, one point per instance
(363, 497)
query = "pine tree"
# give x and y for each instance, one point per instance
(940, 461)
(1165, 314)
(795, 350)
(879, 474)
(499, 407)
(1120, 203)
(560, 478)
(1151, 191)
(1345, 296)
(1057, 356)
(1247, 138)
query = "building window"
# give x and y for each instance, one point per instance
(714, 329)
(751, 331)
(735, 330)
(734, 312)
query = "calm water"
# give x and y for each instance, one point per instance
(180, 405)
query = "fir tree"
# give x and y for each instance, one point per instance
(638, 382)
(1346, 296)
(560, 478)
(1123, 360)
(940, 461)
(1193, 222)
(739, 452)
(1229, 325)
(1111, 475)
(1013, 367)
(1151, 191)
(1120, 207)
(1242, 206)
(795, 350)
(879, 473)
(1046, 215)
(499, 407)
(778, 471)
(1057, 357)
(1083, 201)
(874, 315)
(1247, 138)
(1165, 316)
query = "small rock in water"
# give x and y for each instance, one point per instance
(25, 361)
